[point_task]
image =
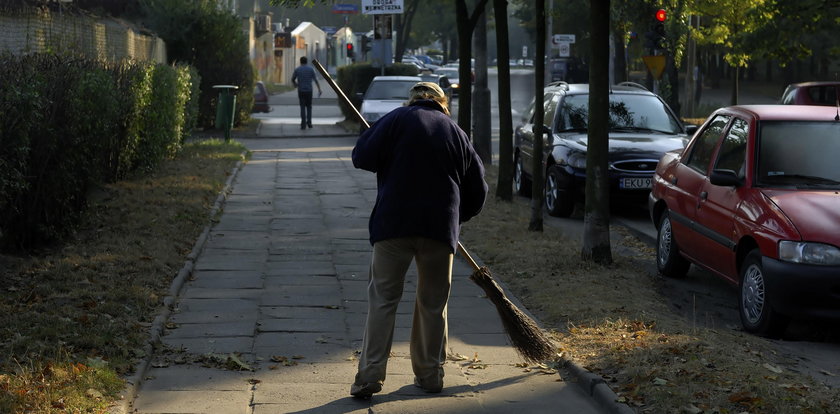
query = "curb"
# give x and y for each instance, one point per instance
(592, 384)
(156, 330)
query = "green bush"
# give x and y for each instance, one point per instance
(69, 123)
(211, 40)
(354, 79)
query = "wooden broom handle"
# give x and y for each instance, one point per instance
(361, 119)
(338, 91)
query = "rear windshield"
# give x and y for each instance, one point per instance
(823, 95)
(643, 112)
(393, 90)
(798, 154)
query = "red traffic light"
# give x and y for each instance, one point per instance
(350, 47)
(660, 15)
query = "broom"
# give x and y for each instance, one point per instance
(527, 338)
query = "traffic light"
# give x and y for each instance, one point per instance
(655, 38)
(349, 50)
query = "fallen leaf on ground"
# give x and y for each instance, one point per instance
(773, 368)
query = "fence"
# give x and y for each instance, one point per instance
(107, 39)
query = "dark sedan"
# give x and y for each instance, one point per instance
(642, 129)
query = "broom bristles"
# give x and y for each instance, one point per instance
(527, 338)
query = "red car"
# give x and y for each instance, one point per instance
(755, 199)
(811, 93)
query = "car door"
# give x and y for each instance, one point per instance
(526, 135)
(716, 207)
(687, 182)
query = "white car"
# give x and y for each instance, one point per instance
(384, 94)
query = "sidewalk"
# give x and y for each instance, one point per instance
(280, 287)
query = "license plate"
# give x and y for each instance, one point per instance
(635, 183)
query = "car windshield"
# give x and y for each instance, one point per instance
(627, 113)
(389, 90)
(798, 154)
(451, 74)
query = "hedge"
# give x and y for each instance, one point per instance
(71, 122)
(356, 78)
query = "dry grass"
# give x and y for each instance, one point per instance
(614, 321)
(75, 317)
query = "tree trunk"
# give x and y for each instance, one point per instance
(736, 76)
(504, 187)
(596, 219)
(620, 72)
(482, 135)
(538, 166)
(465, 31)
(466, 24)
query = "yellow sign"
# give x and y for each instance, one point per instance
(656, 65)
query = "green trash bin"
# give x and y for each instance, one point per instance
(226, 108)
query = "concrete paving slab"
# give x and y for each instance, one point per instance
(301, 268)
(220, 315)
(215, 305)
(195, 378)
(240, 344)
(226, 279)
(339, 373)
(222, 293)
(293, 312)
(193, 402)
(319, 347)
(212, 329)
(301, 325)
(272, 281)
(307, 407)
(237, 240)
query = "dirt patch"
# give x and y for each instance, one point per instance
(619, 321)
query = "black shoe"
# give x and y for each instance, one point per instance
(310, 126)
(432, 389)
(365, 390)
(303, 127)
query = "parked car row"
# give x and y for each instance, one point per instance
(753, 197)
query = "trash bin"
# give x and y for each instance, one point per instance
(226, 108)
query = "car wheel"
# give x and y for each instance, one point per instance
(558, 194)
(669, 262)
(757, 315)
(521, 184)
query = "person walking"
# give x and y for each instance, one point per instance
(302, 79)
(429, 182)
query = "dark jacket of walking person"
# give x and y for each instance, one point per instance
(302, 79)
(429, 181)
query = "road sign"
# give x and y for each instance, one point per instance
(563, 49)
(345, 9)
(382, 6)
(562, 38)
(656, 65)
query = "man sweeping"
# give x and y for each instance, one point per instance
(429, 181)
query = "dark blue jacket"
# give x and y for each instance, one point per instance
(428, 176)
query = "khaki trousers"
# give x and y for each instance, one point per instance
(390, 262)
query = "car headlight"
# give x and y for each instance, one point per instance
(578, 161)
(454, 85)
(809, 253)
(372, 117)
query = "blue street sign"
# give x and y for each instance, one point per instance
(345, 8)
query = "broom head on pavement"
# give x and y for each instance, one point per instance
(527, 338)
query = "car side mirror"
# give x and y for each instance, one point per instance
(725, 178)
(690, 129)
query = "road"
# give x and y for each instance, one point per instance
(810, 347)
